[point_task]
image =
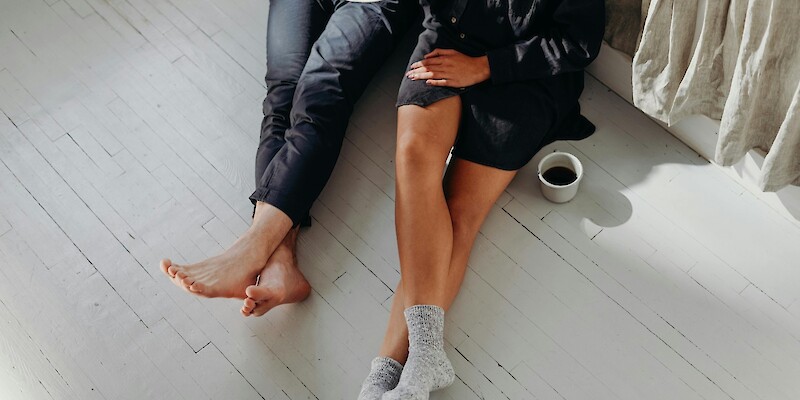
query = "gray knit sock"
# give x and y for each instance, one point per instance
(383, 377)
(427, 368)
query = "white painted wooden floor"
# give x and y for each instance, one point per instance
(128, 134)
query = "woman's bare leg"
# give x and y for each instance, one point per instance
(425, 241)
(425, 234)
(471, 189)
(424, 230)
(395, 341)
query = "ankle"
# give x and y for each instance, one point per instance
(425, 327)
(395, 345)
(284, 255)
(398, 354)
(256, 232)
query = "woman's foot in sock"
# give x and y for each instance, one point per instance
(280, 282)
(225, 275)
(427, 368)
(383, 377)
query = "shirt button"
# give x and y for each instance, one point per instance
(462, 35)
(453, 19)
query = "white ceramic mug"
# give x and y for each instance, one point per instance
(560, 193)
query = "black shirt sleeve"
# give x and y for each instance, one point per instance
(570, 43)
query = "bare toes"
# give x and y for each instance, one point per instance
(186, 282)
(257, 293)
(263, 308)
(249, 303)
(165, 265)
(175, 275)
(197, 287)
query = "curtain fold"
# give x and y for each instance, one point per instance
(744, 71)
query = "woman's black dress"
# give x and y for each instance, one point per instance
(537, 50)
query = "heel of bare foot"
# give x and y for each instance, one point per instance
(277, 285)
(280, 282)
(261, 299)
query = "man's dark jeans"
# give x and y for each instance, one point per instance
(321, 54)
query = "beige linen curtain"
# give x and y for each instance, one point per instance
(745, 71)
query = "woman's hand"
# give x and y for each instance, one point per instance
(444, 67)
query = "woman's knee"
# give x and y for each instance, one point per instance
(412, 147)
(425, 135)
(416, 149)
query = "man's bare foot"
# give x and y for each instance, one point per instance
(225, 275)
(230, 273)
(280, 282)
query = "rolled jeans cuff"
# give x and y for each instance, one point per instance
(293, 208)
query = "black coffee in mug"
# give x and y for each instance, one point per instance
(560, 176)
